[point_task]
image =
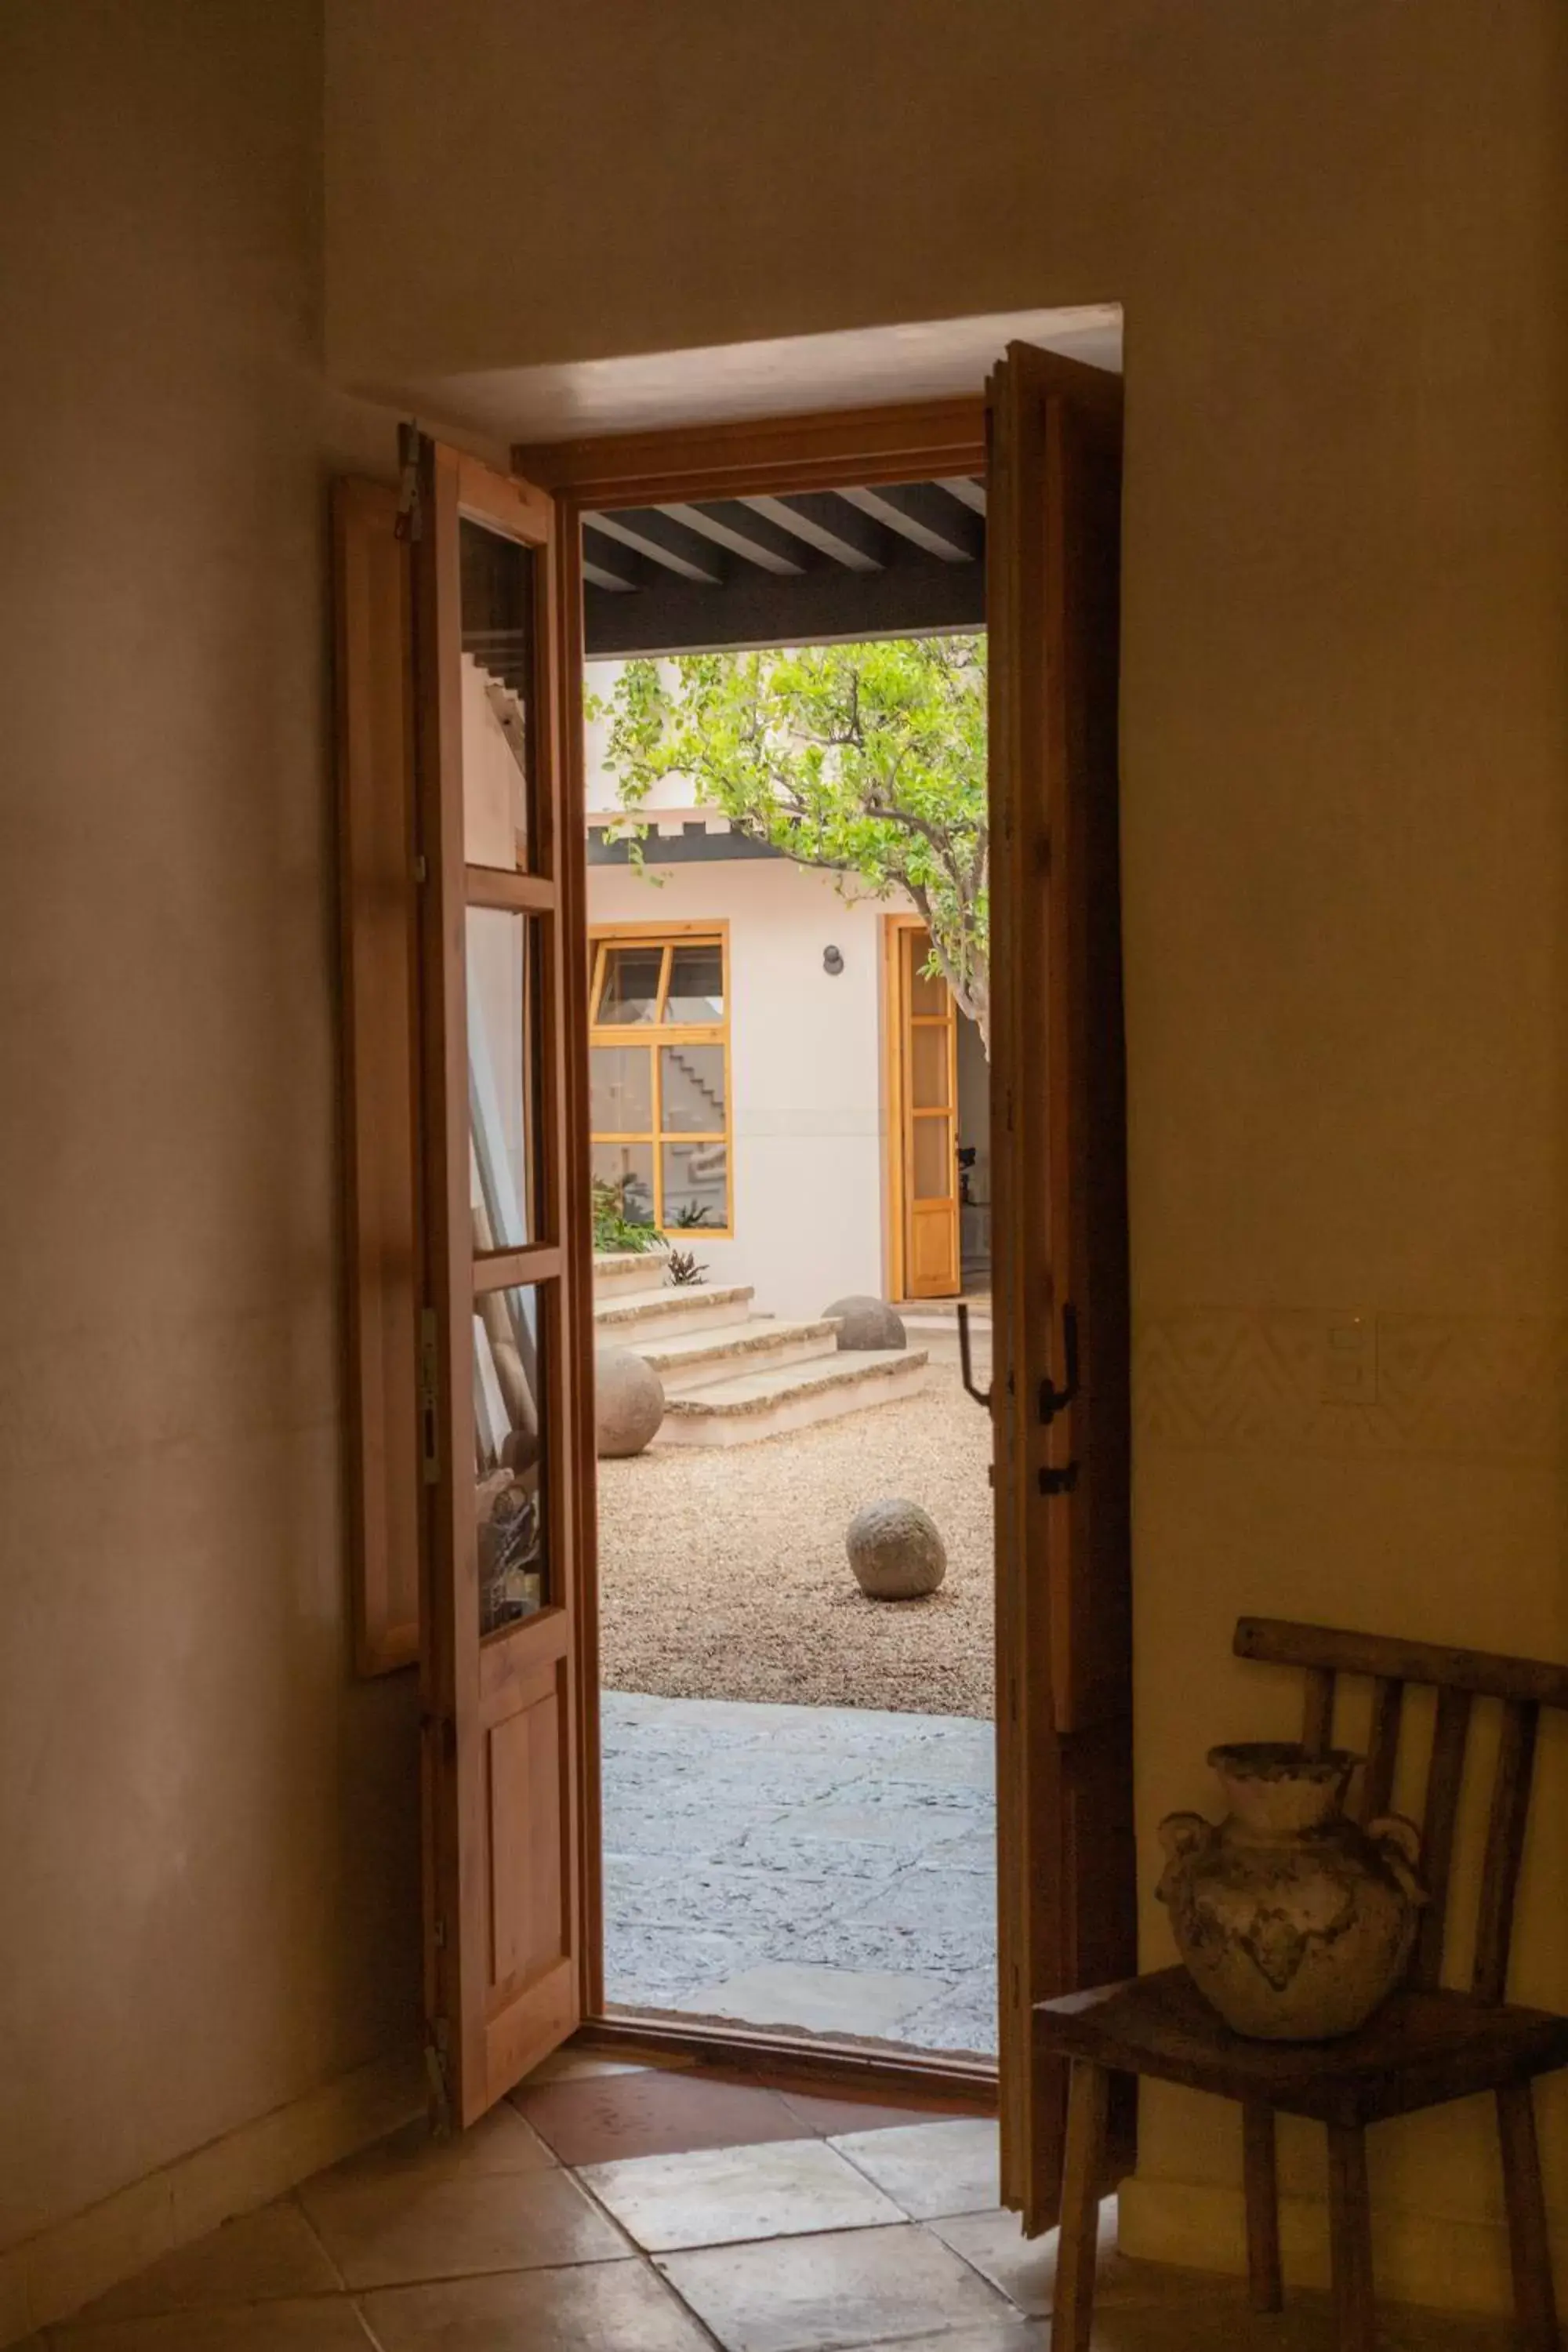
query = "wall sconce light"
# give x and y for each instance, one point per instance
(832, 961)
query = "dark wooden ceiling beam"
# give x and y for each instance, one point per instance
(823, 520)
(925, 515)
(650, 533)
(608, 565)
(736, 526)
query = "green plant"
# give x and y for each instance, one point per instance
(613, 1231)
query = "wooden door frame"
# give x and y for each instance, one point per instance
(837, 449)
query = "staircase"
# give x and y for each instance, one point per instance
(732, 1378)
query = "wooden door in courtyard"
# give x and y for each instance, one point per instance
(507, 1458)
(922, 1118)
(1060, 1382)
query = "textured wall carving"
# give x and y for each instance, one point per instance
(1253, 1378)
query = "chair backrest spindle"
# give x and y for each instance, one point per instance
(1505, 1847)
(1524, 1685)
(1445, 1778)
(1381, 1747)
(1318, 1721)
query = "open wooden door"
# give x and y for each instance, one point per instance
(1060, 1390)
(503, 1446)
(925, 1089)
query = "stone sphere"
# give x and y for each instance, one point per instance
(896, 1550)
(867, 1323)
(628, 1402)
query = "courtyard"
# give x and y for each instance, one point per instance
(723, 1574)
(799, 1799)
(826, 1870)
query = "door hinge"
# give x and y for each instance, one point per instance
(438, 2078)
(429, 1424)
(410, 520)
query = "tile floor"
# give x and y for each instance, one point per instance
(830, 1869)
(613, 2208)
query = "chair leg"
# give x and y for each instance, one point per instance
(1350, 2238)
(1265, 2290)
(1530, 2252)
(1083, 2168)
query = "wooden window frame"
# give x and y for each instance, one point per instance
(656, 1034)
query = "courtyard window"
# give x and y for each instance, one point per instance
(660, 1076)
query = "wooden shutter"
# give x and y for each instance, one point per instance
(509, 1444)
(376, 892)
(1060, 1229)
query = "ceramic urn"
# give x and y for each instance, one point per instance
(1292, 1921)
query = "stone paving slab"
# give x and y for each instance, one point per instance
(829, 1868)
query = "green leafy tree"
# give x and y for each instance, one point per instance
(867, 760)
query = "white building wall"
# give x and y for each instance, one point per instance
(806, 1079)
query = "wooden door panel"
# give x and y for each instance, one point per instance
(934, 1272)
(510, 1449)
(1060, 1389)
(527, 1767)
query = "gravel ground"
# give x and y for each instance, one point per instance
(723, 1574)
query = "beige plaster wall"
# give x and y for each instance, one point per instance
(208, 1832)
(1338, 230)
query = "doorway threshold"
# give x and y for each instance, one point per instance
(916, 2078)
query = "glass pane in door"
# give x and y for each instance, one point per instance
(927, 991)
(504, 1061)
(934, 1170)
(500, 826)
(510, 1454)
(930, 1074)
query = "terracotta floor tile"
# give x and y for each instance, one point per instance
(326, 2324)
(258, 2258)
(499, 2142)
(604, 2307)
(382, 2229)
(831, 2116)
(716, 2197)
(853, 2288)
(1025, 2270)
(599, 2122)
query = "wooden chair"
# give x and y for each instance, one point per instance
(1425, 2046)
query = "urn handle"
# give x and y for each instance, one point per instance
(1398, 1841)
(1181, 1835)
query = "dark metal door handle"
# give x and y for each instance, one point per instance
(966, 1363)
(1054, 1400)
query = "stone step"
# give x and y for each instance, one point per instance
(617, 1272)
(635, 1319)
(695, 1360)
(752, 1405)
